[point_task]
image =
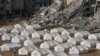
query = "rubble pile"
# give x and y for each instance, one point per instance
(91, 23)
(54, 14)
(57, 14)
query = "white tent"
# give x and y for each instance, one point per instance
(30, 31)
(30, 48)
(50, 54)
(1, 33)
(54, 31)
(28, 42)
(78, 40)
(52, 43)
(64, 37)
(44, 45)
(17, 26)
(24, 24)
(33, 47)
(25, 33)
(60, 29)
(15, 40)
(54, 35)
(57, 30)
(22, 51)
(36, 53)
(97, 35)
(65, 33)
(92, 36)
(74, 55)
(5, 47)
(72, 31)
(5, 37)
(98, 46)
(14, 31)
(36, 35)
(12, 34)
(21, 38)
(36, 40)
(72, 41)
(10, 46)
(21, 29)
(89, 43)
(58, 39)
(58, 48)
(9, 28)
(85, 33)
(75, 41)
(60, 54)
(78, 49)
(47, 36)
(66, 46)
(78, 34)
(2, 29)
(44, 51)
(42, 32)
(29, 27)
(36, 26)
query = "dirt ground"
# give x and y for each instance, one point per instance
(92, 52)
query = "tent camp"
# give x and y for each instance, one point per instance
(47, 36)
(36, 40)
(17, 26)
(65, 33)
(44, 45)
(22, 51)
(36, 53)
(58, 48)
(28, 42)
(29, 27)
(58, 39)
(36, 35)
(25, 33)
(78, 34)
(89, 43)
(15, 40)
(49, 44)
(92, 36)
(60, 54)
(50, 54)
(10, 46)
(66, 46)
(44, 51)
(98, 46)
(36, 26)
(15, 31)
(78, 49)
(5, 37)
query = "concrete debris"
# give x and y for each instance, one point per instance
(53, 14)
